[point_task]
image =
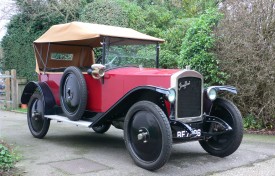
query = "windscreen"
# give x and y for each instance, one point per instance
(127, 53)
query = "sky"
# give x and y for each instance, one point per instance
(7, 8)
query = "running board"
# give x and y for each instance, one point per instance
(65, 119)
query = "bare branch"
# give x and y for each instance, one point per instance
(246, 49)
(7, 9)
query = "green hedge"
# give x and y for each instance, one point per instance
(104, 12)
(198, 45)
(167, 20)
(17, 48)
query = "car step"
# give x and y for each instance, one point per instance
(65, 119)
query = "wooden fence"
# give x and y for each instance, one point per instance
(11, 95)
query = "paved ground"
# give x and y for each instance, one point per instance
(72, 150)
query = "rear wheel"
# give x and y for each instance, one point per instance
(38, 124)
(147, 135)
(102, 128)
(73, 93)
(225, 144)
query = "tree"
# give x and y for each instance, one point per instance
(198, 45)
(196, 8)
(7, 9)
(33, 19)
(104, 12)
(246, 50)
(160, 18)
(1, 59)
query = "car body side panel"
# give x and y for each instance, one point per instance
(121, 107)
(104, 93)
(53, 81)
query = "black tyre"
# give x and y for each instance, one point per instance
(102, 128)
(227, 143)
(147, 135)
(73, 93)
(38, 124)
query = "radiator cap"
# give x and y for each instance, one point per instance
(188, 67)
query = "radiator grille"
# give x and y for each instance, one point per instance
(189, 97)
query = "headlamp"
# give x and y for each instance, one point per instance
(172, 95)
(211, 93)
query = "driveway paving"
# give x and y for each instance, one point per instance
(75, 150)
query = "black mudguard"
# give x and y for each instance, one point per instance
(42, 88)
(207, 104)
(118, 110)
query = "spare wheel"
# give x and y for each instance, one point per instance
(73, 93)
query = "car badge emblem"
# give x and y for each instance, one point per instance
(184, 85)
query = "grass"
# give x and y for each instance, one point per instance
(260, 138)
(20, 110)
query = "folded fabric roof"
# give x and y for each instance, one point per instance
(79, 33)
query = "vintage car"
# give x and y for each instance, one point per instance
(97, 76)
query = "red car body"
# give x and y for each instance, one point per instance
(100, 98)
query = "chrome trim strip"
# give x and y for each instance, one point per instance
(163, 91)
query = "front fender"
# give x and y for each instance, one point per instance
(230, 89)
(207, 104)
(121, 107)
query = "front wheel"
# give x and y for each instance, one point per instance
(38, 124)
(147, 135)
(225, 144)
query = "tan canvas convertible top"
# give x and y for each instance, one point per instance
(77, 39)
(86, 34)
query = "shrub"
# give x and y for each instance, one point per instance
(104, 12)
(7, 158)
(197, 48)
(17, 48)
(134, 13)
(32, 20)
(246, 50)
(168, 59)
(250, 122)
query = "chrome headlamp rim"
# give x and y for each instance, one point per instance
(171, 96)
(211, 93)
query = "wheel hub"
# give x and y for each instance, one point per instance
(36, 115)
(143, 135)
(70, 94)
